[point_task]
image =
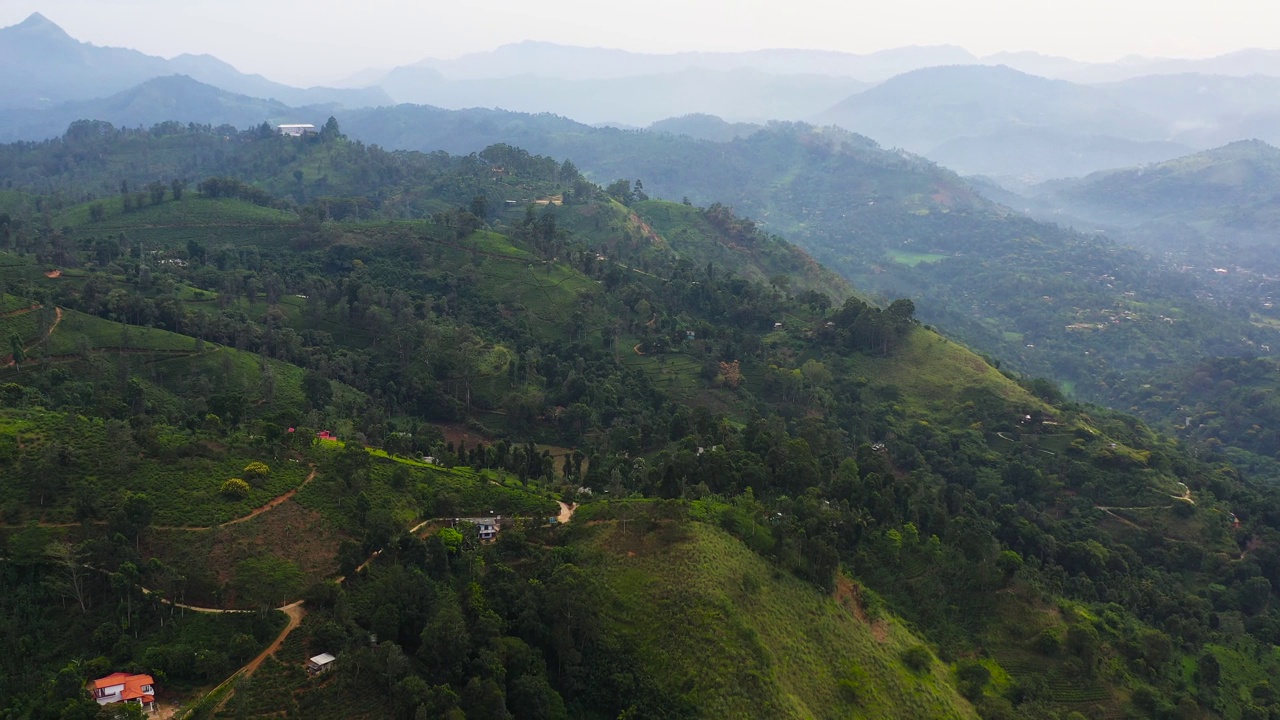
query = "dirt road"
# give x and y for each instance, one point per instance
(57, 318)
(295, 612)
(273, 503)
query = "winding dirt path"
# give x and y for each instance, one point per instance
(57, 318)
(20, 311)
(1185, 496)
(295, 612)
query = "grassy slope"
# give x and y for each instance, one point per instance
(933, 373)
(740, 640)
(191, 209)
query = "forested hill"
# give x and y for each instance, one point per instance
(1225, 196)
(897, 225)
(791, 503)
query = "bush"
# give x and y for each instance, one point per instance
(1048, 642)
(256, 471)
(236, 489)
(973, 677)
(917, 658)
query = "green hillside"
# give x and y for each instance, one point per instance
(791, 501)
(716, 623)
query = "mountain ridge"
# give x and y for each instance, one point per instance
(59, 68)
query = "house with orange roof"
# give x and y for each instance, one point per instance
(123, 687)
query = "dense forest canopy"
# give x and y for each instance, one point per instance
(190, 314)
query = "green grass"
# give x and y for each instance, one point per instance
(27, 327)
(10, 303)
(912, 259)
(935, 376)
(718, 624)
(184, 491)
(192, 209)
(78, 332)
(429, 491)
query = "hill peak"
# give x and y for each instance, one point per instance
(37, 24)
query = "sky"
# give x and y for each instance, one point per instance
(323, 41)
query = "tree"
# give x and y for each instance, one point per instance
(256, 470)
(317, 389)
(133, 515)
(620, 190)
(70, 573)
(973, 677)
(236, 489)
(1208, 670)
(97, 212)
(15, 346)
(731, 373)
(330, 131)
(917, 658)
(177, 187)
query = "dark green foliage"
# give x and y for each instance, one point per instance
(1058, 543)
(917, 658)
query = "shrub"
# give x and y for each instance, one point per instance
(256, 470)
(917, 658)
(236, 489)
(973, 677)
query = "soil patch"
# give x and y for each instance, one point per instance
(454, 433)
(849, 596)
(292, 532)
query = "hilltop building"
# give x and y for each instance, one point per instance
(297, 129)
(488, 527)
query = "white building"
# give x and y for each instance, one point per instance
(488, 527)
(320, 663)
(297, 129)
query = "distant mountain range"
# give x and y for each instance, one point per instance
(1017, 118)
(580, 63)
(999, 121)
(56, 68)
(738, 94)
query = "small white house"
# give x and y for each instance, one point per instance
(297, 129)
(320, 664)
(487, 527)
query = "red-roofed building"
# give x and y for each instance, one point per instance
(123, 687)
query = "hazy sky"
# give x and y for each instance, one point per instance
(322, 41)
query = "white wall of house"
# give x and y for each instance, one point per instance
(109, 694)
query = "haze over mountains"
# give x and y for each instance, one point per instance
(783, 411)
(56, 68)
(1019, 117)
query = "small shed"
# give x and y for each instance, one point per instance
(320, 664)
